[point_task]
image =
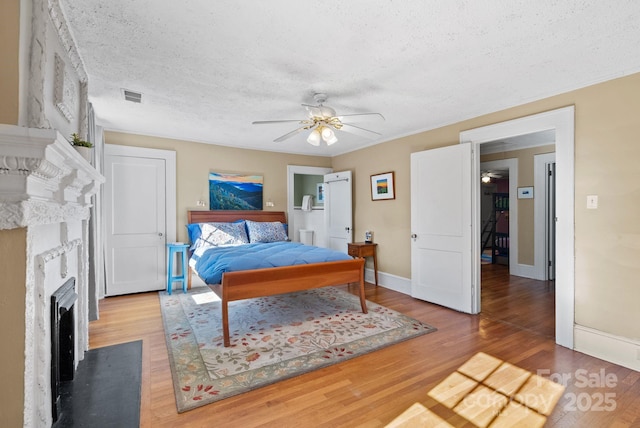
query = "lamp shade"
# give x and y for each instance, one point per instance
(314, 138)
(329, 136)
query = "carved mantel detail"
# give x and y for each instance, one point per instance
(17, 165)
(42, 178)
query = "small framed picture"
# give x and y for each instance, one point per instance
(320, 193)
(382, 186)
(525, 192)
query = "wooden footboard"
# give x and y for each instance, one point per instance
(280, 280)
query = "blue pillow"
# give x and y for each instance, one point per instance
(266, 231)
(194, 231)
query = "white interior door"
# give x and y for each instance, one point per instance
(338, 210)
(136, 221)
(441, 247)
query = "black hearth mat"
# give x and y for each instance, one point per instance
(105, 391)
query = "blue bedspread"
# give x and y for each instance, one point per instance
(213, 262)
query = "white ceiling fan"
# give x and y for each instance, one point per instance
(322, 121)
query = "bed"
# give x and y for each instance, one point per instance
(260, 282)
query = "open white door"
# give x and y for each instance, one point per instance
(136, 219)
(441, 247)
(338, 210)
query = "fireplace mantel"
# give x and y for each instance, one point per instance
(42, 178)
(45, 190)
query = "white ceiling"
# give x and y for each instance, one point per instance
(207, 69)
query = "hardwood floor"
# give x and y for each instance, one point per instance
(372, 390)
(523, 302)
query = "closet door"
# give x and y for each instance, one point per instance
(139, 217)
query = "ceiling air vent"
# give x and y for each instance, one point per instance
(134, 97)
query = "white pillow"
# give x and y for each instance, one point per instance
(221, 234)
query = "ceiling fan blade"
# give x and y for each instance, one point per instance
(491, 174)
(290, 134)
(353, 129)
(262, 122)
(360, 117)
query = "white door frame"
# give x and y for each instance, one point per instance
(562, 120)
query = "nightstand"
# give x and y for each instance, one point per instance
(365, 249)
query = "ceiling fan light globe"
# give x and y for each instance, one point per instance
(314, 138)
(327, 133)
(329, 136)
(486, 179)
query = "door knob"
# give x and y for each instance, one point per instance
(160, 234)
(348, 229)
(414, 236)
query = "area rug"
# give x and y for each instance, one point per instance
(272, 338)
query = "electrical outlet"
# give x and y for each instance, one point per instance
(592, 202)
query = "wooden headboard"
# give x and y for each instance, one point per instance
(233, 215)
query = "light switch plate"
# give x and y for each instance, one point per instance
(592, 202)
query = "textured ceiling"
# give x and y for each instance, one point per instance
(207, 69)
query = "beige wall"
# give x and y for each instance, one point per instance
(526, 175)
(9, 52)
(194, 161)
(606, 163)
(13, 251)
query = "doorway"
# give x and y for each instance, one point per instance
(514, 288)
(303, 181)
(505, 212)
(562, 121)
(495, 216)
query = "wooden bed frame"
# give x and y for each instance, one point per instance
(278, 280)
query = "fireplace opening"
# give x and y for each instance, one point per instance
(62, 340)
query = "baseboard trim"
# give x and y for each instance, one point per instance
(615, 349)
(387, 280)
(528, 271)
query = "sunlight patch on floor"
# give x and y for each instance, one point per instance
(206, 297)
(488, 392)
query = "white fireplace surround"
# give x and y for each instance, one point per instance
(46, 187)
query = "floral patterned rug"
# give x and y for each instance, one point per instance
(272, 338)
